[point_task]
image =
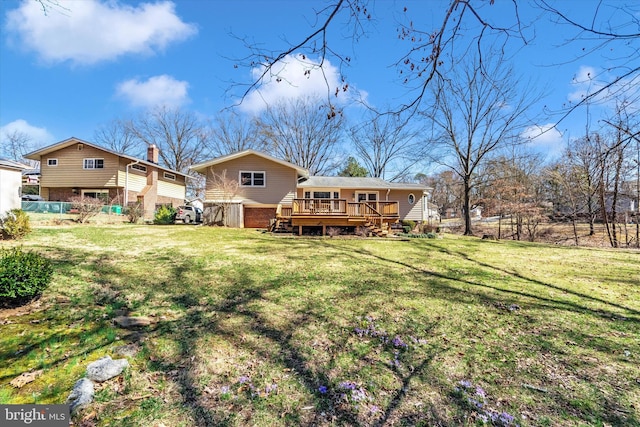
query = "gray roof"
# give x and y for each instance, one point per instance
(357, 183)
(10, 164)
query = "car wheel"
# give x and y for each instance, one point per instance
(187, 219)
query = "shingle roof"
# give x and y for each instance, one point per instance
(10, 164)
(357, 183)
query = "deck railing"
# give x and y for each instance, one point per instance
(341, 207)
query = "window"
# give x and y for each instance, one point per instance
(97, 194)
(170, 176)
(412, 199)
(93, 164)
(252, 179)
(52, 162)
(366, 197)
(139, 167)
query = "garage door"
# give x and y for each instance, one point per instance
(258, 217)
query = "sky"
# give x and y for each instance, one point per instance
(75, 67)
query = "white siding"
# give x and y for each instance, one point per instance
(10, 183)
(171, 189)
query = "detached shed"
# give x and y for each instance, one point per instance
(10, 184)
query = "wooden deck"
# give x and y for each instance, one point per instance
(337, 213)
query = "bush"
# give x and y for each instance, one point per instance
(134, 212)
(86, 207)
(15, 225)
(23, 276)
(409, 223)
(419, 236)
(165, 215)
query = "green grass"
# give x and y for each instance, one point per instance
(252, 329)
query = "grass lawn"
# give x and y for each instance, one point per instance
(255, 329)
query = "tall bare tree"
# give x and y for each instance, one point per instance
(179, 134)
(14, 145)
(118, 136)
(388, 145)
(477, 110)
(231, 132)
(303, 131)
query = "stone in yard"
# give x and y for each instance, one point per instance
(105, 368)
(81, 395)
(132, 322)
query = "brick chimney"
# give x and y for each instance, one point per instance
(153, 154)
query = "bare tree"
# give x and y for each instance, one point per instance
(178, 134)
(435, 43)
(15, 145)
(388, 146)
(303, 131)
(225, 192)
(231, 133)
(477, 111)
(118, 136)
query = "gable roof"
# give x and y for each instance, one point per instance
(358, 183)
(37, 155)
(10, 164)
(201, 167)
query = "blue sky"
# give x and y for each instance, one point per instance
(77, 67)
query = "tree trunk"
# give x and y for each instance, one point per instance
(467, 207)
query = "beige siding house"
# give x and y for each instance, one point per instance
(268, 190)
(74, 167)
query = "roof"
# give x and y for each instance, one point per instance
(358, 183)
(37, 155)
(10, 164)
(201, 167)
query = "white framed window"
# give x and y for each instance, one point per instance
(411, 199)
(366, 197)
(253, 178)
(170, 176)
(52, 162)
(93, 164)
(322, 194)
(139, 167)
(97, 194)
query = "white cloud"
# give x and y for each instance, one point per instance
(544, 138)
(295, 77)
(89, 31)
(156, 91)
(39, 137)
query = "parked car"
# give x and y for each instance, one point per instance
(189, 214)
(32, 198)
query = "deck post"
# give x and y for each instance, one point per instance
(299, 230)
(324, 230)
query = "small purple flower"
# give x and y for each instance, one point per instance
(224, 389)
(271, 387)
(347, 385)
(465, 383)
(397, 342)
(480, 392)
(244, 379)
(322, 389)
(374, 409)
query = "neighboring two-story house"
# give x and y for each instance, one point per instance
(74, 167)
(269, 189)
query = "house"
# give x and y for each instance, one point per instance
(74, 167)
(10, 185)
(270, 189)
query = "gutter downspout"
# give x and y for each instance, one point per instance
(126, 183)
